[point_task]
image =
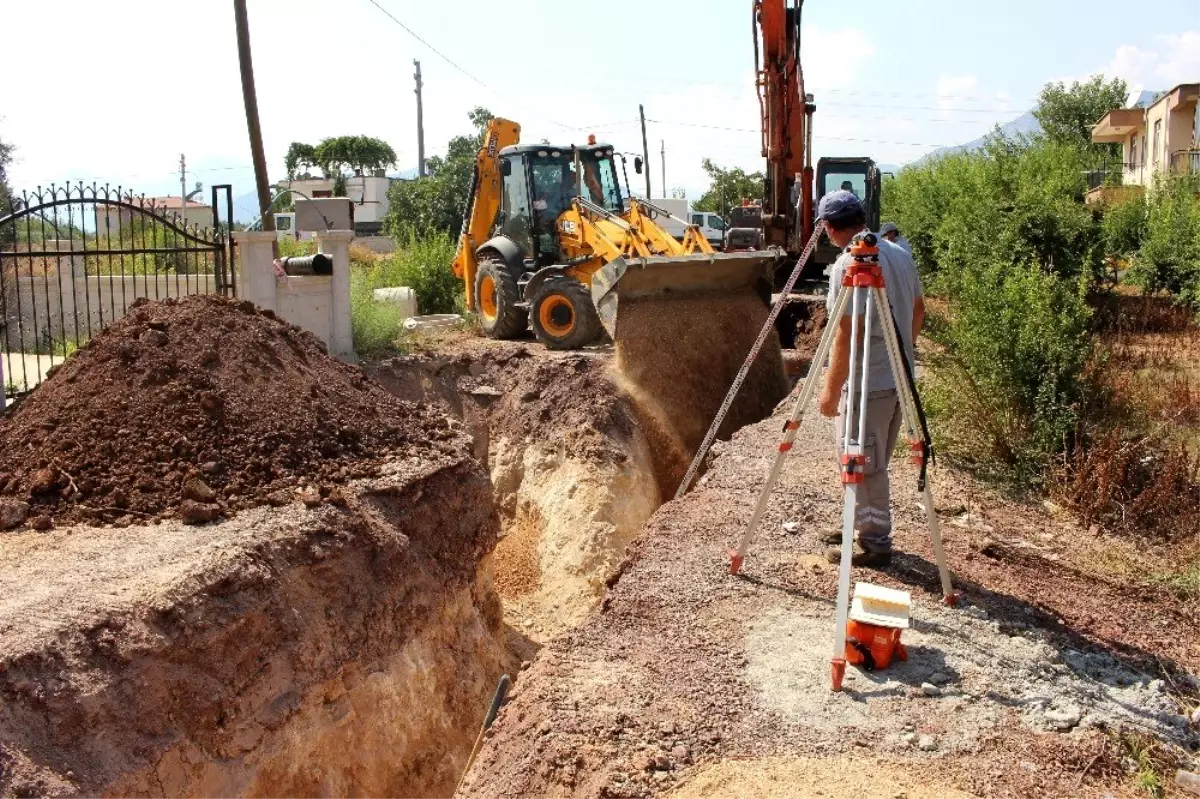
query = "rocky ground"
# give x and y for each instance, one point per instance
(695, 682)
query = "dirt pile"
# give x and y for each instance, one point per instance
(197, 407)
(677, 358)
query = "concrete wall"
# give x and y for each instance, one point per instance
(319, 304)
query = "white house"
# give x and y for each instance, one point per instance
(367, 192)
(113, 218)
(1162, 135)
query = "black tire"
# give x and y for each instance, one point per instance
(496, 298)
(562, 314)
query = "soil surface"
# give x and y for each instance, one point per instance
(518, 390)
(195, 408)
(688, 679)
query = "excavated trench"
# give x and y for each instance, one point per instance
(582, 447)
(338, 634)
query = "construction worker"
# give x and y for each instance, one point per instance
(892, 233)
(844, 217)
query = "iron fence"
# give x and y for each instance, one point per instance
(74, 258)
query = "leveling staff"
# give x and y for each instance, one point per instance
(844, 217)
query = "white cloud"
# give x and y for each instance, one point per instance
(950, 88)
(823, 54)
(1174, 59)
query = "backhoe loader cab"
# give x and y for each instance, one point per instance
(540, 183)
(553, 240)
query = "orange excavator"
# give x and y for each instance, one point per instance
(787, 205)
(791, 186)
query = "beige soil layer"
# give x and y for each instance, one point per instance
(572, 521)
(289, 651)
(572, 472)
(810, 778)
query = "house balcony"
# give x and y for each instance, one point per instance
(1113, 184)
(1186, 162)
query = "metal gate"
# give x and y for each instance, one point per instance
(74, 258)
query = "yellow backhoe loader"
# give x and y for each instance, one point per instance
(552, 239)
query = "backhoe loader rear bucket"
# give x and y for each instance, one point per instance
(664, 276)
(682, 327)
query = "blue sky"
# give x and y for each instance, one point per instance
(892, 80)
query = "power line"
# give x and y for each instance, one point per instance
(452, 63)
(815, 136)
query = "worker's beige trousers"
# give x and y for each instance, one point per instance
(873, 511)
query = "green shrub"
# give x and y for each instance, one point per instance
(1124, 227)
(1017, 200)
(422, 263)
(376, 326)
(1169, 258)
(1003, 389)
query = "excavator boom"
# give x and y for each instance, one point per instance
(786, 123)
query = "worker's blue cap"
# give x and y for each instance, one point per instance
(838, 205)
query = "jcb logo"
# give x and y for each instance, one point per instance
(568, 226)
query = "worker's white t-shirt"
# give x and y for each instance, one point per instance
(903, 288)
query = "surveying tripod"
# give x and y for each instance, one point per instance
(862, 284)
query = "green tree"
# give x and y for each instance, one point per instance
(335, 155)
(728, 187)
(438, 201)
(1067, 114)
(1169, 257)
(300, 156)
(1004, 236)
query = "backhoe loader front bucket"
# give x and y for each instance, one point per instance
(663, 277)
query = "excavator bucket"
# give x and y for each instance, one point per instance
(662, 278)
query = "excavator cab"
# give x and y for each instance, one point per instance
(857, 175)
(540, 182)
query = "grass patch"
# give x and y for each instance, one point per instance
(1149, 760)
(1184, 583)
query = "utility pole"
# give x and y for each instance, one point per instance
(645, 150)
(420, 122)
(662, 159)
(183, 189)
(251, 101)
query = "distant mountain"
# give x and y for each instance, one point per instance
(1024, 125)
(893, 168)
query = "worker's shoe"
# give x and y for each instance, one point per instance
(834, 538)
(866, 558)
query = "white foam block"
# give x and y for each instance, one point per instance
(885, 607)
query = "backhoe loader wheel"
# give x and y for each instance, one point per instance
(562, 314)
(496, 301)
